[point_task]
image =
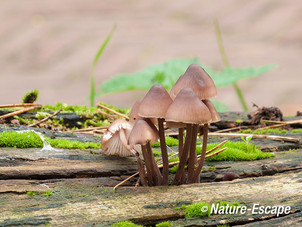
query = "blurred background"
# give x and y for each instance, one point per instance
(50, 46)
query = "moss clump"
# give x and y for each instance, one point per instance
(264, 131)
(297, 130)
(32, 140)
(31, 96)
(125, 224)
(20, 140)
(170, 141)
(196, 210)
(236, 151)
(164, 224)
(156, 153)
(174, 169)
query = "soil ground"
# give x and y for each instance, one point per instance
(50, 46)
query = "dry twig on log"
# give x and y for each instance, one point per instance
(256, 136)
(19, 111)
(46, 118)
(18, 105)
(113, 111)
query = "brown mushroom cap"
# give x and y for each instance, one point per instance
(198, 79)
(155, 103)
(133, 117)
(111, 142)
(142, 133)
(211, 107)
(187, 108)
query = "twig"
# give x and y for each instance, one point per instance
(215, 148)
(89, 129)
(107, 114)
(256, 136)
(18, 105)
(46, 118)
(215, 153)
(113, 111)
(119, 184)
(19, 112)
(232, 129)
(281, 123)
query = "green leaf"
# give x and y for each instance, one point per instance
(230, 75)
(168, 73)
(165, 74)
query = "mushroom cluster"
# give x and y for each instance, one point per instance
(186, 107)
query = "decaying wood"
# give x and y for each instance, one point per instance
(20, 111)
(45, 119)
(113, 111)
(18, 105)
(256, 136)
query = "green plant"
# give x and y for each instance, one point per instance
(96, 59)
(47, 193)
(198, 210)
(31, 96)
(227, 64)
(30, 139)
(170, 141)
(247, 140)
(164, 224)
(125, 224)
(236, 151)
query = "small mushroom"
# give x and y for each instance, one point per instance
(143, 133)
(155, 105)
(198, 79)
(189, 109)
(114, 142)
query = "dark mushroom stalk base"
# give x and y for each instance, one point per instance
(164, 152)
(180, 173)
(196, 178)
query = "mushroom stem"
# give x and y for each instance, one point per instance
(193, 156)
(183, 159)
(203, 154)
(149, 165)
(180, 141)
(164, 152)
(141, 169)
(155, 169)
(140, 164)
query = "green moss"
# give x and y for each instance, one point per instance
(170, 141)
(31, 96)
(236, 151)
(125, 224)
(32, 140)
(174, 169)
(41, 115)
(212, 168)
(156, 153)
(264, 131)
(195, 210)
(297, 130)
(173, 159)
(164, 224)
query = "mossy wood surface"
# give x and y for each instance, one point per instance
(74, 188)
